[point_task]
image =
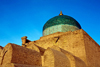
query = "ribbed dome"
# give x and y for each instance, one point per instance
(61, 23)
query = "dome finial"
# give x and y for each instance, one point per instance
(60, 13)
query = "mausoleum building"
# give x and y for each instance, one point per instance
(63, 44)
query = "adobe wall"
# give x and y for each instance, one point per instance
(1, 49)
(17, 54)
(18, 65)
(74, 61)
(54, 35)
(54, 58)
(77, 43)
(92, 51)
(69, 41)
(76, 48)
(73, 43)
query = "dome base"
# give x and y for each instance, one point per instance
(59, 28)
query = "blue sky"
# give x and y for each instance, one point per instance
(20, 18)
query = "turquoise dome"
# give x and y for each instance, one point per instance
(62, 19)
(61, 23)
